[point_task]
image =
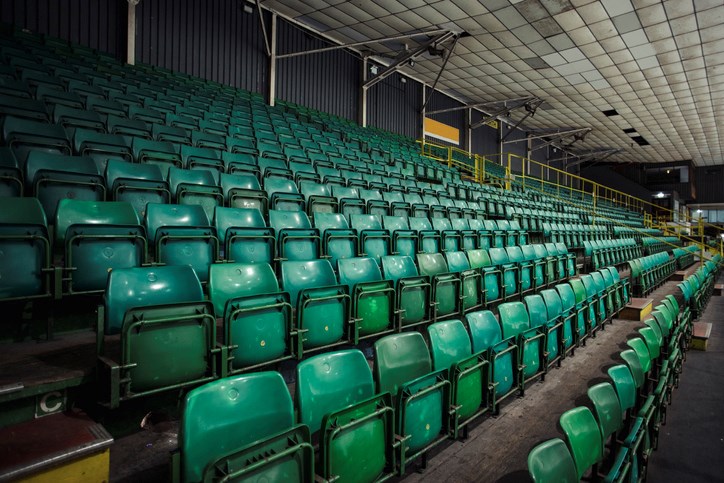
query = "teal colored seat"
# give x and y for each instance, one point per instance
(404, 240)
(404, 369)
(318, 198)
(411, 289)
(551, 462)
(336, 398)
(569, 318)
(160, 153)
(194, 157)
(538, 265)
(525, 269)
(242, 190)
(283, 195)
(486, 335)
(322, 306)
(430, 240)
(374, 242)
(596, 307)
(195, 187)
(373, 298)
(24, 136)
(243, 427)
(583, 437)
(493, 289)
(296, 239)
(167, 332)
(181, 235)
(515, 323)
(257, 315)
(559, 336)
(510, 272)
(11, 177)
(95, 238)
(451, 239)
(338, 240)
(584, 323)
(445, 286)
(244, 236)
(52, 177)
(101, 147)
(25, 253)
(569, 259)
(72, 118)
(605, 305)
(471, 280)
(468, 373)
(137, 184)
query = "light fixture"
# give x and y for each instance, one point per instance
(373, 69)
(698, 211)
(660, 195)
(248, 9)
(668, 171)
(411, 62)
(403, 80)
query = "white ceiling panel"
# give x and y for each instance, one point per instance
(660, 64)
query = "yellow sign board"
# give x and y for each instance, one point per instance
(438, 130)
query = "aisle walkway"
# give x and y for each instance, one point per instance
(497, 449)
(691, 444)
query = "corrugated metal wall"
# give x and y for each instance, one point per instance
(519, 148)
(395, 106)
(455, 119)
(709, 180)
(484, 138)
(310, 80)
(99, 24)
(214, 40)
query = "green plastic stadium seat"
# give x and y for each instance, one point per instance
(471, 280)
(468, 373)
(181, 235)
(373, 298)
(551, 462)
(515, 322)
(404, 240)
(296, 239)
(160, 153)
(167, 332)
(25, 254)
(486, 335)
(584, 438)
(322, 306)
(24, 136)
(244, 236)
(445, 286)
(195, 187)
(336, 398)
(374, 242)
(411, 289)
(257, 328)
(137, 184)
(243, 426)
(52, 177)
(95, 238)
(404, 369)
(101, 147)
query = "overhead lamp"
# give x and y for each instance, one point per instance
(411, 62)
(668, 171)
(698, 211)
(403, 80)
(660, 195)
(373, 69)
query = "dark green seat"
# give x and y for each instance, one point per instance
(243, 427)
(244, 236)
(296, 239)
(538, 265)
(404, 369)
(493, 289)
(94, 238)
(551, 462)
(338, 240)
(24, 136)
(318, 198)
(525, 269)
(101, 147)
(322, 306)
(486, 335)
(412, 290)
(515, 323)
(167, 332)
(336, 398)
(73, 118)
(53, 177)
(374, 242)
(11, 177)
(181, 235)
(468, 373)
(242, 190)
(25, 254)
(373, 298)
(471, 280)
(283, 195)
(446, 286)
(429, 239)
(201, 158)
(510, 272)
(257, 315)
(404, 240)
(559, 337)
(195, 187)
(137, 184)
(583, 437)
(583, 309)
(160, 153)
(571, 328)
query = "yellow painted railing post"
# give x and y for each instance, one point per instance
(449, 157)
(508, 175)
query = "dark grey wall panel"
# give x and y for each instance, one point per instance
(99, 24)
(709, 182)
(395, 106)
(328, 81)
(484, 138)
(214, 40)
(607, 177)
(455, 119)
(520, 148)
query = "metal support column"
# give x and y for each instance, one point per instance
(363, 94)
(468, 130)
(131, 33)
(272, 59)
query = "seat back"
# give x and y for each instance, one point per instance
(449, 343)
(397, 267)
(625, 386)
(300, 275)
(584, 438)
(514, 319)
(457, 261)
(280, 220)
(230, 280)
(164, 216)
(225, 416)
(400, 358)
(432, 264)
(358, 270)
(607, 408)
(329, 382)
(551, 461)
(484, 330)
(130, 288)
